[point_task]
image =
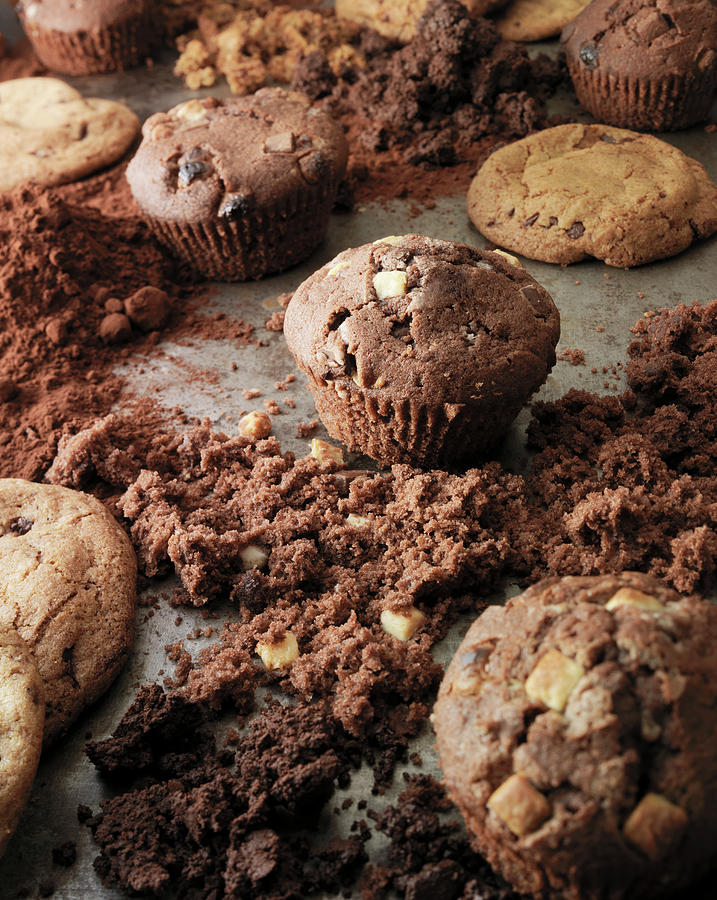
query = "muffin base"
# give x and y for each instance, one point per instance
(258, 244)
(640, 104)
(410, 431)
(123, 45)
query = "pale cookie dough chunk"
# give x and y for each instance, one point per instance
(50, 134)
(22, 715)
(68, 585)
(535, 20)
(396, 19)
(591, 190)
(576, 728)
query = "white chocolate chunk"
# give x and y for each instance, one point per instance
(402, 625)
(655, 825)
(253, 557)
(255, 425)
(628, 596)
(334, 270)
(190, 111)
(390, 239)
(325, 452)
(357, 521)
(519, 805)
(390, 284)
(279, 655)
(513, 260)
(553, 679)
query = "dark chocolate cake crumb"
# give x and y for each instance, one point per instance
(616, 483)
(65, 854)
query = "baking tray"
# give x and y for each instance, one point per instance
(589, 295)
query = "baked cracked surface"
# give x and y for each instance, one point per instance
(68, 586)
(575, 191)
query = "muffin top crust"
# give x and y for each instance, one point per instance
(228, 158)
(417, 314)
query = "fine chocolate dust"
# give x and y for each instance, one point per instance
(83, 287)
(615, 483)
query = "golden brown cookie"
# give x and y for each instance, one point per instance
(51, 134)
(22, 715)
(591, 190)
(68, 585)
(396, 19)
(535, 20)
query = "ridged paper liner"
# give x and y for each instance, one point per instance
(266, 240)
(660, 104)
(410, 431)
(109, 49)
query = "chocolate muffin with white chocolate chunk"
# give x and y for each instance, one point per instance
(576, 729)
(420, 350)
(239, 187)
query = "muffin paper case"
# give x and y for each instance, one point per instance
(419, 350)
(648, 66)
(91, 38)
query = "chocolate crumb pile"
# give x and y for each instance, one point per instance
(444, 98)
(616, 483)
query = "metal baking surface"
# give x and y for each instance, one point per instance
(588, 295)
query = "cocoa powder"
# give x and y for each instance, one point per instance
(69, 303)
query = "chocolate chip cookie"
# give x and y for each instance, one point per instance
(576, 729)
(420, 350)
(22, 715)
(51, 134)
(574, 191)
(535, 20)
(68, 585)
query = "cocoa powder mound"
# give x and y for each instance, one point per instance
(73, 302)
(419, 117)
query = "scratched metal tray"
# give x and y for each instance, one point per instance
(588, 295)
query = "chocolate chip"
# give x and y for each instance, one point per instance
(20, 525)
(576, 230)
(589, 55)
(188, 171)
(552, 221)
(234, 206)
(313, 167)
(532, 220)
(280, 143)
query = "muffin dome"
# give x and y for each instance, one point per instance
(650, 65)
(421, 350)
(576, 728)
(89, 37)
(239, 187)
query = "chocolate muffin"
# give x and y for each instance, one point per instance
(239, 187)
(576, 729)
(90, 36)
(649, 65)
(420, 350)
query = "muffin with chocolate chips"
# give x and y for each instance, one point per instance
(644, 64)
(239, 187)
(420, 350)
(576, 729)
(91, 36)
